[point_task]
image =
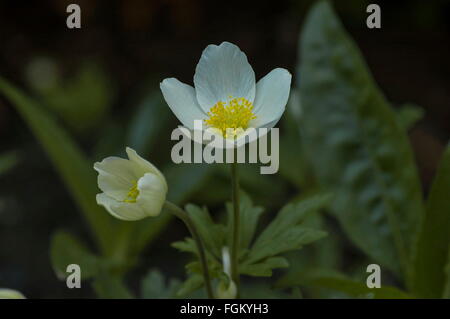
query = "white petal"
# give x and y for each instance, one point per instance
(152, 194)
(272, 93)
(182, 101)
(144, 165)
(223, 71)
(121, 210)
(124, 170)
(113, 186)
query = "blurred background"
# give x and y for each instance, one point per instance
(101, 83)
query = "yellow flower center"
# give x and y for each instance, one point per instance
(132, 194)
(234, 114)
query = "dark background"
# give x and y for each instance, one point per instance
(138, 43)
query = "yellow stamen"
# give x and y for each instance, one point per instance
(234, 114)
(132, 194)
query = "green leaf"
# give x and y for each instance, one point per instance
(262, 290)
(71, 164)
(213, 235)
(263, 268)
(294, 164)
(187, 245)
(336, 281)
(108, 286)
(65, 249)
(408, 115)
(285, 233)
(446, 294)
(154, 286)
(83, 100)
(434, 240)
(249, 216)
(356, 145)
(194, 282)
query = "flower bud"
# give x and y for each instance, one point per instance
(132, 188)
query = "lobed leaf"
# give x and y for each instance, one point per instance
(285, 233)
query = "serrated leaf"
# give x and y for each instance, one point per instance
(356, 145)
(291, 239)
(263, 268)
(434, 240)
(284, 233)
(65, 249)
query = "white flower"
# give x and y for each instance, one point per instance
(132, 188)
(225, 94)
(6, 293)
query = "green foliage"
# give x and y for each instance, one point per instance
(294, 164)
(336, 281)
(356, 145)
(285, 233)
(191, 284)
(118, 240)
(341, 137)
(446, 293)
(212, 234)
(264, 267)
(154, 286)
(72, 165)
(82, 101)
(434, 240)
(109, 286)
(65, 249)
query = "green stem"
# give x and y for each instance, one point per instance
(236, 224)
(181, 214)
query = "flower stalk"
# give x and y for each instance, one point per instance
(181, 214)
(236, 223)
